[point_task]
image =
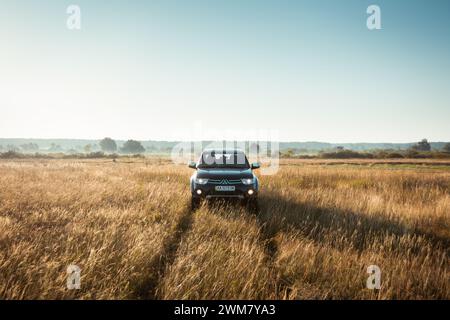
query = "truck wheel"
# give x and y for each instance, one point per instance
(252, 205)
(195, 203)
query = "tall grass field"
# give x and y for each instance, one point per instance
(128, 225)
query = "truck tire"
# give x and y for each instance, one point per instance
(195, 203)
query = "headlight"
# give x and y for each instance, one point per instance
(201, 181)
(248, 181)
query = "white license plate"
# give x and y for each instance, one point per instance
(225, 188)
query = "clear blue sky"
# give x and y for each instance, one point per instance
(149, 69)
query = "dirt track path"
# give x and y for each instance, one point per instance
(222, 256)
(148, 289)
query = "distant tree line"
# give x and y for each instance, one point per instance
(421, 149)
(108, 145)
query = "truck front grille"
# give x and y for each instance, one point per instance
(225, 181)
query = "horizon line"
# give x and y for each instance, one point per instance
(243, 140)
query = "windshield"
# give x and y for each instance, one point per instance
(236, 160)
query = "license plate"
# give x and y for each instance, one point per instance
(225, 188)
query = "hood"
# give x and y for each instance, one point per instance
(225, 173)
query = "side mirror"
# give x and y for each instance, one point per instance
(255, 165)
(192, 165)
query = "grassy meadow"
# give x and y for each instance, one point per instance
(128, 225)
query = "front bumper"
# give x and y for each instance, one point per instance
(209, 191)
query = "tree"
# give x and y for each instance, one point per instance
(446, 147)
(289, 153)
(87, 148)
(132, 146)
(12, 148)
(108, 145)
(29, 147)
(55, 148)
(423, 145)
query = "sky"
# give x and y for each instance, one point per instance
(178, 70)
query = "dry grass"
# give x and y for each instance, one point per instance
(128, 227)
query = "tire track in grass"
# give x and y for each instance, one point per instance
(221, 258)
(268, 233)
(147, 289)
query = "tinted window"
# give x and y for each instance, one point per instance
(223, 160)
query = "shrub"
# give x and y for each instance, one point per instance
(12, 155)
(345, 154)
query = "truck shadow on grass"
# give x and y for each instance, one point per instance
(147, 288)
(339, 229)
(358, 230)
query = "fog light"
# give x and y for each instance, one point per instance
(199, 192)
(250, 192)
